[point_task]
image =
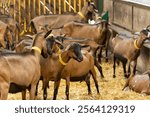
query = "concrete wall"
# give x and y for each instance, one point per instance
(128, 15)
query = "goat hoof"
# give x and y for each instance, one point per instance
(114, 76)
(125, 89)
(45, 96)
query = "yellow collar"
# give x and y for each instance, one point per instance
(37, 49)
(59, 51)
(81, 15)
(135, 45)
(61, 61)
(22, 33)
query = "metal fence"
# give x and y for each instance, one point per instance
(24, 10)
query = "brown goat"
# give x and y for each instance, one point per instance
(27, 65)
(93, 47)
(24, 44)
(110, 33)
(5, 34)
(139, 83)
(57, 66)
(96, 33)
(13, 27)
(56, 21)
(45, 69)
(127, 51)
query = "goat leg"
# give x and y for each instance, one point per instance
(134, 67)
(87, 80)
(124, 69)
(93, 72)
(32, 92)
(56, 86)
(24, 94)
(36, 91)
(100, 55)
(126, 84)
(106, 52)
(99, 67)
(114, 67)
(4, 89)
(67, 87)
(45, 86)
(128, 66)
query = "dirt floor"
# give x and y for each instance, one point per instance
(110, 88)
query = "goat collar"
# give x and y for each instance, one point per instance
(135, 45)
(81, 15)
(59, 51)
(61, 61)
(37, 49)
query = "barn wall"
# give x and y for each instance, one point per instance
(141, 18)
(131, 16)
(123, 14)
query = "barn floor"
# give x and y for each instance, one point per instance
(110, 88)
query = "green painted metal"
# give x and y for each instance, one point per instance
(100, 5)
(105, 15)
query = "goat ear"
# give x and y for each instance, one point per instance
(48, 33)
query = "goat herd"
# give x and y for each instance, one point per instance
(70, 48)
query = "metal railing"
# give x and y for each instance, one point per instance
(24, 10)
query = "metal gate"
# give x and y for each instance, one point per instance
(24, 10)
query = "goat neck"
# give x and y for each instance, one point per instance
(64, 58)
(138, 43)
(82, 14)
(37, 48)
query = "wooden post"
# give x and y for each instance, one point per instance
(34, 9)
(65, 9)
(84, 2)
(39, 7)
(49, 2)
(54, 6)
(19, 8)
(79, 5)
(44, 9)
(25, 23)
(69, 5)
(14, 10)
(75, 6)
(59, 6)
